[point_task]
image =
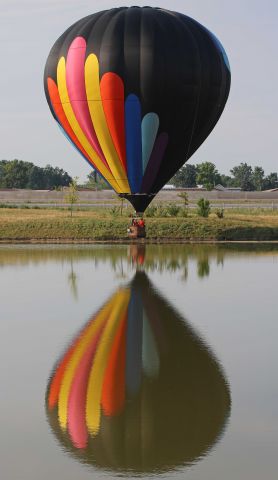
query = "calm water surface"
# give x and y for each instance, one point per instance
(132, 361)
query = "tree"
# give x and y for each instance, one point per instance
(15, 173)
(3, 164)
(36, 179)
(56, 177)
(243, 176)
(207, 175)
(226, 181)
(72, 194)
(184, 196)
(185, 177)
(271, 181)
(121, 200)
(258, 178)
(96, 182)
(20, 174)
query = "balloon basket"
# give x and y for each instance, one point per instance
(136, 232)
(137, 228)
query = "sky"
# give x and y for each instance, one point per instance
(246, 132)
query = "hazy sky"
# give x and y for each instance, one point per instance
(246, 132)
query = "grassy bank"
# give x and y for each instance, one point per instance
(93, 225)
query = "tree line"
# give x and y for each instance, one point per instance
(243, 176)
(20, 174)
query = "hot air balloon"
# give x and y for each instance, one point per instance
(137, 91)
(137, 390)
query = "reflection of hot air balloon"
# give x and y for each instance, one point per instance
(137, 91)
(137, 389)
(137, 254)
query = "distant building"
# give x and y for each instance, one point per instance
(220, 188)
(169, 187)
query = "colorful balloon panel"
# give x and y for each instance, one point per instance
(137, 91)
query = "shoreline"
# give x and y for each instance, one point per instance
(33, 226)
(148, 241)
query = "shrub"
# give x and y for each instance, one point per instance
(115, 211)
(156, 211)
(183, 212)
(151, 211)
(161, 211)
(172, 210)
(220, 212)
(203, 209)
(169, 210)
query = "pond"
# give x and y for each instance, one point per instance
(133, 360)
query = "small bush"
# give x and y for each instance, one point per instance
(203, 209)
(158, 211)
(151, 211)
(220, 212)
(183, 212)
(128, 212)
(161, 211)
(172, 210)
(115, 211)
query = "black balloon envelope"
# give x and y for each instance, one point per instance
(137, 91)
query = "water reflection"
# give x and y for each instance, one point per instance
(137, 390)
(72, 279)
(122, 258)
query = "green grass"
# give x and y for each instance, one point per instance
(95, 225)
